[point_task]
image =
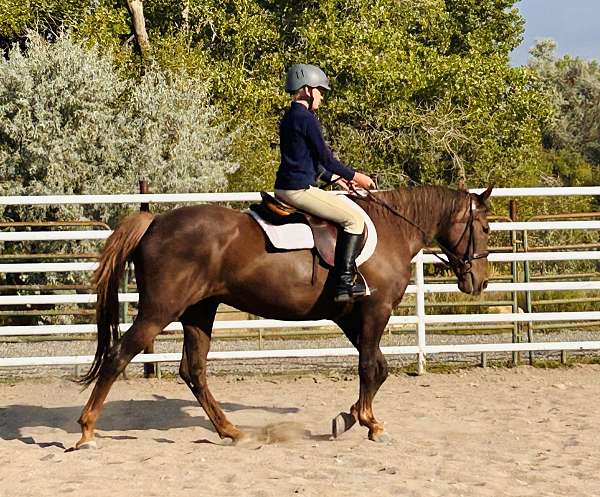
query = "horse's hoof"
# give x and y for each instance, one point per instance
(242, 439)
(248, 441)
(91, 445)
(382, 438)
(342, 423)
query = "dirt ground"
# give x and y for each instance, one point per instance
(492, 432)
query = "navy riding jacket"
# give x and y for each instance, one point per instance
(304, 153)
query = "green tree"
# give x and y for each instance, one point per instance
(426, 90)
(423, 89)
(70, 124)
(572, 137)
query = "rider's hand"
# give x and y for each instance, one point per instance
(363, 181)
(345, 184)
(341, 182)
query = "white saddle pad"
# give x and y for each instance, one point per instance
(298, 236)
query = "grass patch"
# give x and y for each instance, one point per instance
(586, 360)
(552, 364)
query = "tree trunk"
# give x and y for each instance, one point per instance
(136, 9)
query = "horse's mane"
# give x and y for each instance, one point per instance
(427, 206)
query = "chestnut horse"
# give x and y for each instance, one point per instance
(191, 259)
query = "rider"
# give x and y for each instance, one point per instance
(304, 158)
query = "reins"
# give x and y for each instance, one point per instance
(393, 210)
(453, 260)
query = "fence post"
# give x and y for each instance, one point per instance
(149, 368)
(421, 340)
(528, 300)
(125, 307)
(512, 205)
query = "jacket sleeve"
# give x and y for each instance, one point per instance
(322, 153)
(324, 174)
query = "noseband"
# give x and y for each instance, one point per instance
(458, 264)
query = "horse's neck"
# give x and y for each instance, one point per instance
(423, 216)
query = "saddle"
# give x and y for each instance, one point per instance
(324, 232)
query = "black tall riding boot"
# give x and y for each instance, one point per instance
(346, 251)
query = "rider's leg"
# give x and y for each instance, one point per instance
(347, 249)
(327, 205)
(334, 208)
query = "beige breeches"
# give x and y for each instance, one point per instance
(326, 205)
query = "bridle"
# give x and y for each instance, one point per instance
(458, 264)
(464, 263)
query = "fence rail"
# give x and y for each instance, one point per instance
(60, 267)
(307, 353)
(420, 288)
(90, 298)
(139, 198)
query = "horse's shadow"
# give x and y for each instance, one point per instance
(122, 415)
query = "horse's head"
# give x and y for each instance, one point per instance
(464, 240)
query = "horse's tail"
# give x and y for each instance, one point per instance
(117, 250)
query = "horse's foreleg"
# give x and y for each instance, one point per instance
(364, 330)
(141, 333)
(193, 371)
(373, 371)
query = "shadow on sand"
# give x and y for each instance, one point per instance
(122, 415)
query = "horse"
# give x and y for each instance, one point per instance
(190, 259)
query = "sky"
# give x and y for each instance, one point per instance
(573, 24)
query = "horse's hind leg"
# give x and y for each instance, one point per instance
(197, 328)
(141, 333)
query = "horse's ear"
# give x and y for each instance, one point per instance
(483, 197)
(461, 184)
